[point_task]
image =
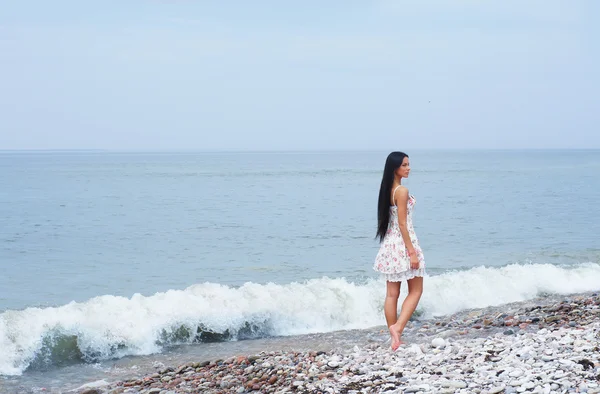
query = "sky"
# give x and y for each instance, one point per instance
(299, 75)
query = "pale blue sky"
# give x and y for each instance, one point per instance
(283, 75)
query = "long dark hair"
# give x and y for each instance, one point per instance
(393, 161)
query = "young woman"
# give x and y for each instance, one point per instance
(400, 257)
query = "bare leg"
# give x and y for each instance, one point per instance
(415, 289)
(390, 309)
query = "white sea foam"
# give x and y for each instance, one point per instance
(110, 326)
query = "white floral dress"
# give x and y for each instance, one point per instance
(392, 259)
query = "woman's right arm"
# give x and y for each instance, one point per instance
(402, 204)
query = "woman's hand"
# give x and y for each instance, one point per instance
(414, 260)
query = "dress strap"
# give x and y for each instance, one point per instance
(394, 193)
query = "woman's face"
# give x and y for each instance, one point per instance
(404, 169)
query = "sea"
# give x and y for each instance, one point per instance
(113, 263)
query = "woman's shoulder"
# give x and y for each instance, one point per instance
(401, 190)
(400, 194)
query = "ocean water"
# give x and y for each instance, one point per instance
(120, 257)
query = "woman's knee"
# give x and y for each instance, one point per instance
(417, 292)
(393, 293)
(415, 286)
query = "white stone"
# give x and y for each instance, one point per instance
(455, 384)
(566, 362)
(518, 382)
(516, 373)
(92, 385)
(438, 343)
(528, 385)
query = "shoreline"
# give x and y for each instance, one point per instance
(545, 345)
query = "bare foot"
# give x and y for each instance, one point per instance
(396, 341)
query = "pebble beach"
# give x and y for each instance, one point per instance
(546, 345)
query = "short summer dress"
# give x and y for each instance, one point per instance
(392, 259)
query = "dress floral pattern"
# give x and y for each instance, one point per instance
(392, 259)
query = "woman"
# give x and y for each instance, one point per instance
(400, 257)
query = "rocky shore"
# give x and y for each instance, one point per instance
(538, 347)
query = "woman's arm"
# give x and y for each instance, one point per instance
(402, 204)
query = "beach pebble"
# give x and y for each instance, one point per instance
(333, 364)
(416, 389)
(516, 373)
(438, 343)
(92, 391)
